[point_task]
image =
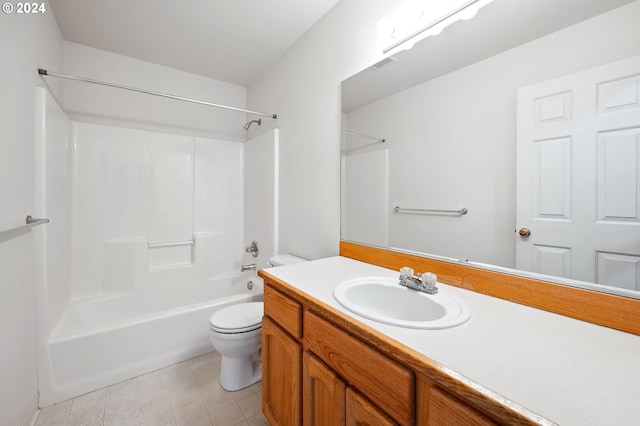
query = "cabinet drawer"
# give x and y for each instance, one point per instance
(286, 312)
(383, 381)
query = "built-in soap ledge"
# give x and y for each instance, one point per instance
(168, 254)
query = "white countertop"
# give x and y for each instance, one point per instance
(568, 371)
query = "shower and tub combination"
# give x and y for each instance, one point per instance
(145, 242)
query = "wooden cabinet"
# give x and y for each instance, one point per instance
(362, 412)
(383, 381)
(316, 372)
(281, 376)
(440, 408)
(282, 310)
(323, 394)
(329, 400)
(334, 381)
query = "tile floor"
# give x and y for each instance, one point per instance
(187, 393)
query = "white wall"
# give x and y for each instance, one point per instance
(365, 197)
(27, 42)
(453, 138)
(303, 88)
(261, 196)
(113, 106)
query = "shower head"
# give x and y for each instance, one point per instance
(259, 121)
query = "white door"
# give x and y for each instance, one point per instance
(578, 176)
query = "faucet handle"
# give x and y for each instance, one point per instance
(429, 280)
(405, 272)
(252, 248)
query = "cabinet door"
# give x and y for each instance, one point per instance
(361, 412)
(443, 409)
(323, 394)
(281, 376)
(385, 382)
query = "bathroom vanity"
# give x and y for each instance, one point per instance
(508, 364)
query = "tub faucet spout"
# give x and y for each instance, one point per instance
(249, 267)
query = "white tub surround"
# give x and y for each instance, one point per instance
(145, 242)
(568, 371)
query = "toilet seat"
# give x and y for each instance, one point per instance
(240, 318)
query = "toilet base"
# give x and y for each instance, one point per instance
(239, 372)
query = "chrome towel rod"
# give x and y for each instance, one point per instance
(398, 209)
(30, 223)
(150, 92)
(172, 244)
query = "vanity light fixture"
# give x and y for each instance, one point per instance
(419, 19)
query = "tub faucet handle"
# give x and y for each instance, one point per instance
(252, 248)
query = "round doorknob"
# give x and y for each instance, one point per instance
(524, 232)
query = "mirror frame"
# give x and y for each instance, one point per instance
(608, 310)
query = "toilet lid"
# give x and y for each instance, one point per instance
(237, 318)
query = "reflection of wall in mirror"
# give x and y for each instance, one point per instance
(366, 197)
(452, 144)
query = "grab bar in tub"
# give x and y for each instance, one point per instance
(398, 209)
(172, 244)
(30, 223)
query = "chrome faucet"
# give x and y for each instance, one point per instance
(422, 282)
(249, 267)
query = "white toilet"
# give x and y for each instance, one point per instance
(236, 332)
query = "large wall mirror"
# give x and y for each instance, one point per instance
(527, 118)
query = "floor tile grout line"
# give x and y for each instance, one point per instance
(200, 390)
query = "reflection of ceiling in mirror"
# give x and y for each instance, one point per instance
(467, 42)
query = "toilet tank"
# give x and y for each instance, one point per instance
(285, 259)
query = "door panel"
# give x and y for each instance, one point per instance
(361, 412)
(618, 175)
(281, 376)
(323, 394)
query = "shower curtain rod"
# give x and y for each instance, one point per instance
(347, 132)
(150, 92)
(29, 223)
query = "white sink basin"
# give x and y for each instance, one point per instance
(385, 300)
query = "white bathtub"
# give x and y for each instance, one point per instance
(103, 341)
